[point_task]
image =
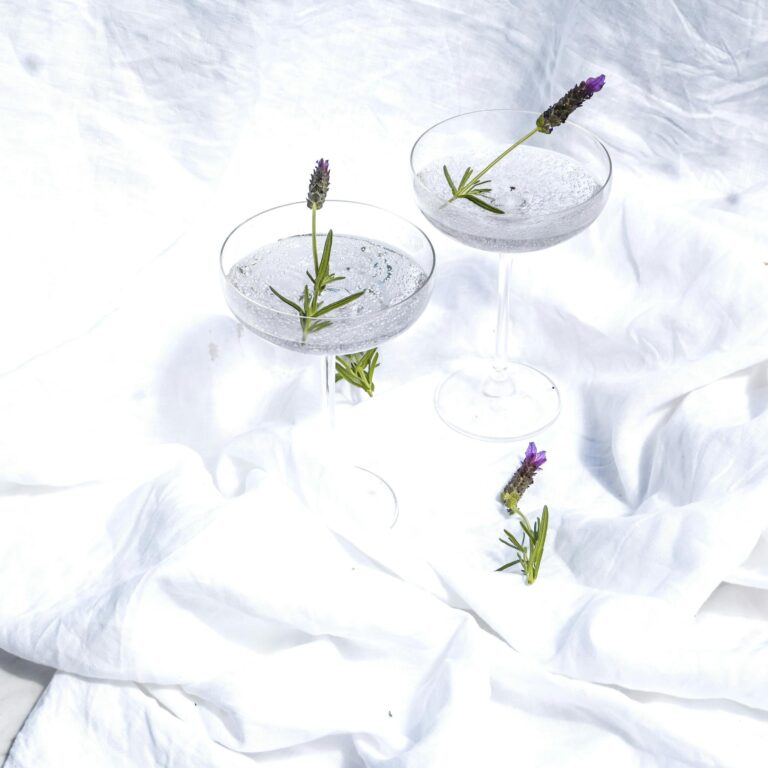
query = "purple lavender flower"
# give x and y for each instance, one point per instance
(559, 112)
(594, 84)
(534, 458)
(319, 182)
(522, 480)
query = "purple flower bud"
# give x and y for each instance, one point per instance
(522, 480)
(534, 458)
(559, 112)
(319, 182)
(594, 84)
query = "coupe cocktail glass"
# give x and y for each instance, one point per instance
(375, 251)
(550, 189)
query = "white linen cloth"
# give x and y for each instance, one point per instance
(159, 545)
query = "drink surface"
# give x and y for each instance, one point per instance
(546, 197)
(390, 278)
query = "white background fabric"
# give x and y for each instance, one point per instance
(157, 545)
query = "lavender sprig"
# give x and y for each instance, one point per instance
(530, 553)
(476, 188)
(311, 307)
(357, 369)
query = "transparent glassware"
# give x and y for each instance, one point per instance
(501, 399)
(373, 249)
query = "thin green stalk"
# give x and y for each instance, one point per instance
(476, 188)
(314, 235)
(526, 522)
(506, 152)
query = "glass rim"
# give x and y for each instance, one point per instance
(293, 313)
(570, 126)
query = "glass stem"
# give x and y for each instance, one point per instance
(500, 383)
(328, 363)
(501, 361)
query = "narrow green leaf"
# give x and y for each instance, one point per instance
(325, 259)
(483, 204)
(465, 177)
(287, 301)
(541, 534)
(508, 565)
(527, 528)
(450, 181)
(515, 543)
(542, 538)
(337, 304)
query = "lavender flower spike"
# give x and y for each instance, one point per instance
(522, 480)
(319, 182)
(559, 112)
(534, 458)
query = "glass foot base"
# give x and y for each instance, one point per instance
(481, 402)
(358, 497)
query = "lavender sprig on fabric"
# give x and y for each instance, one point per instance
(522, 480)
(530, 552)
(476, 188)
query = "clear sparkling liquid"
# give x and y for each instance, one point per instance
(546, 197)
(391, 280)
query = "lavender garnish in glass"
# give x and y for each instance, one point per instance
(474, 187)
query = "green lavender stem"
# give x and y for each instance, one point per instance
(468, 186)
(314, 236)
(530, 553)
